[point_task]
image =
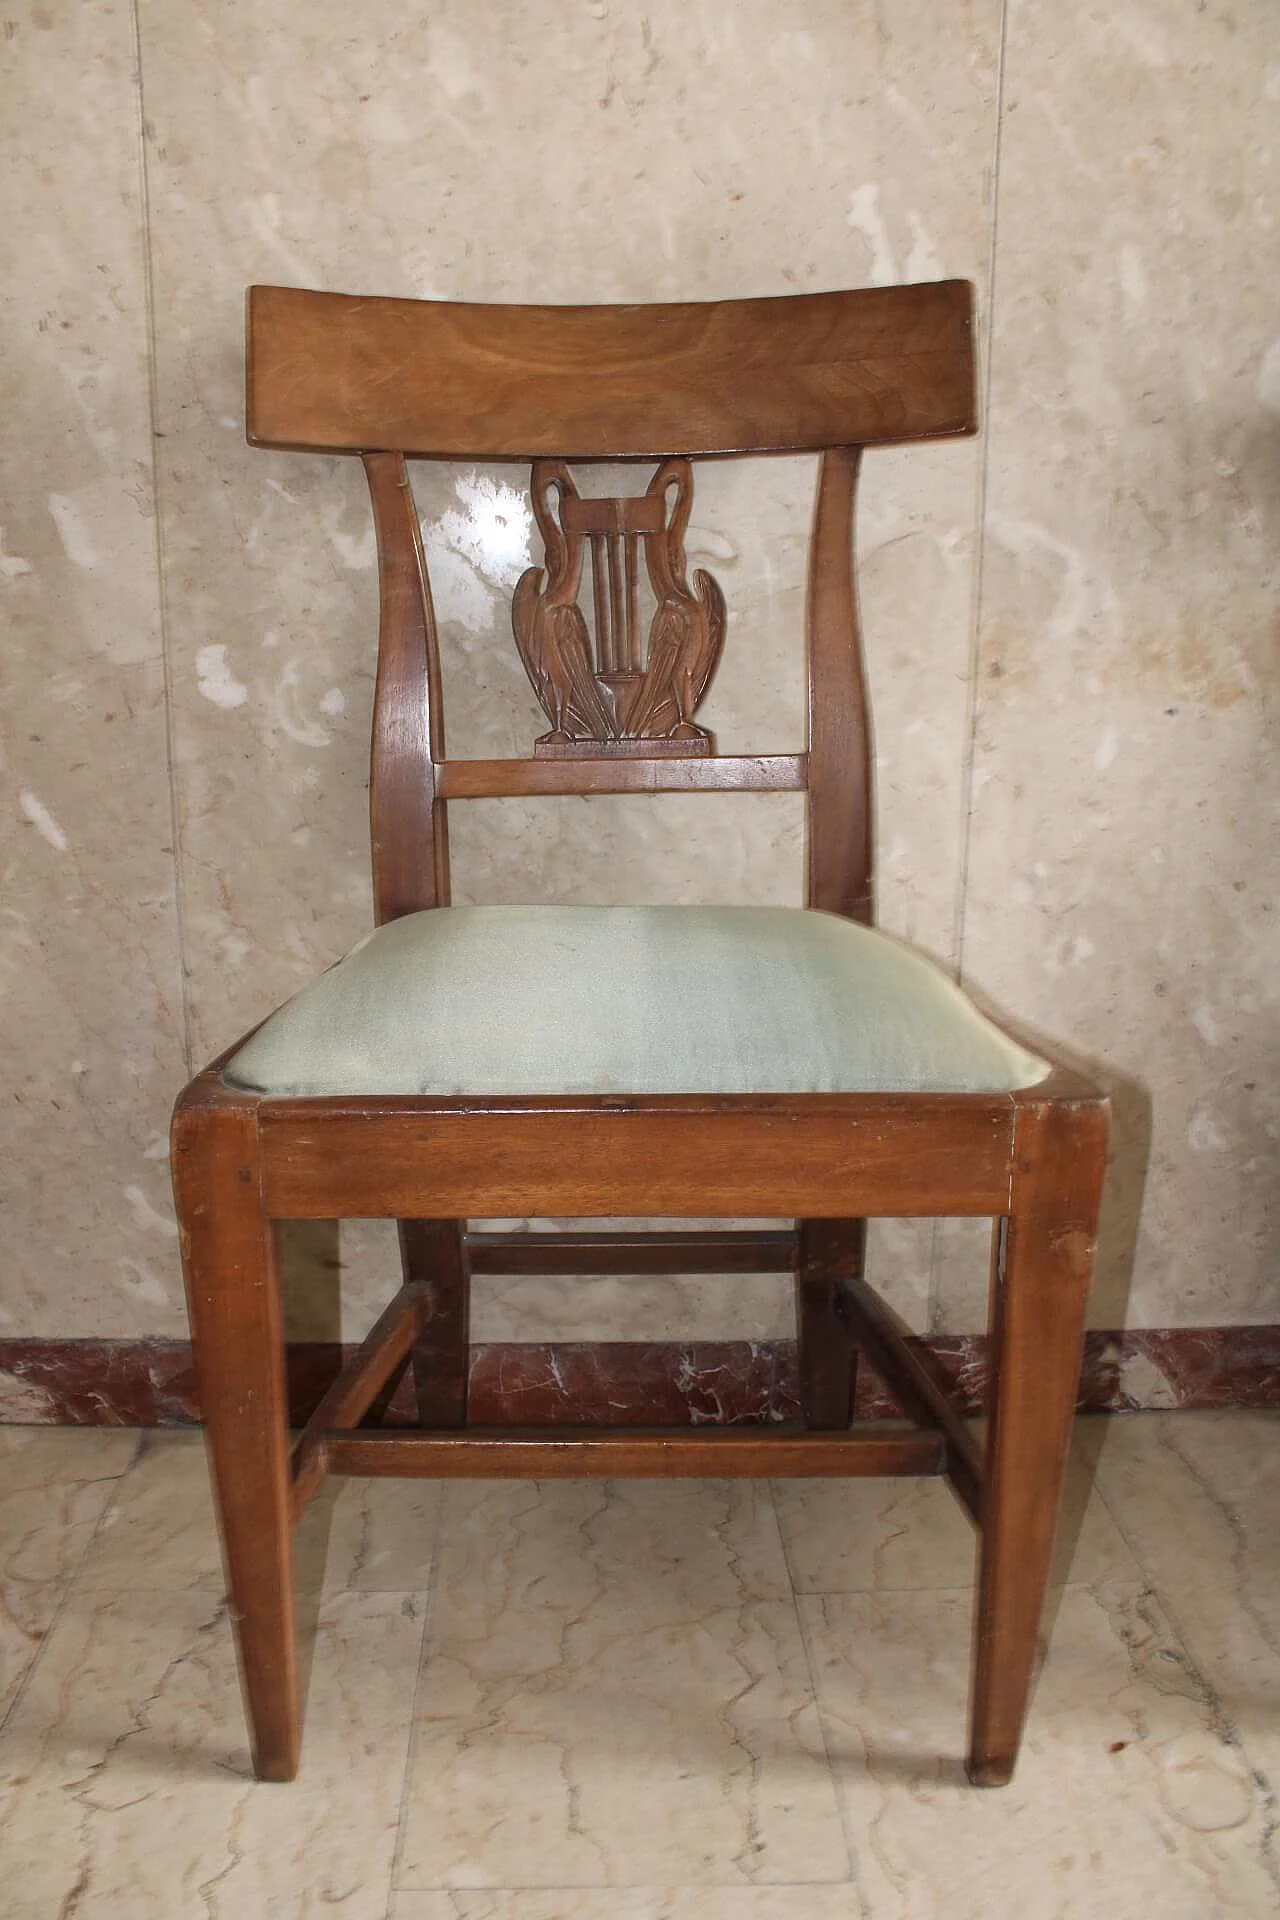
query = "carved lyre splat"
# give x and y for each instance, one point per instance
(603, 696)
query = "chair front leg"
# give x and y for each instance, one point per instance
(1042, 1268)
(233, 1295)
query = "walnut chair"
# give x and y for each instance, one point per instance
(475, 1063)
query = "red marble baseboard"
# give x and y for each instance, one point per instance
(147, 1383)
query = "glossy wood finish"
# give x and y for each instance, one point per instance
(814, 1156)
(377, 1361)
(915, 1382)
(341, 373)
(839, 758)
(434, 1256)
(407, 818)
(622, 1252)
(706, 1453)
(617, 690)
(825, 373)
(237, 1329)
(830, 1253)
(723, 773)
(1042, 1268)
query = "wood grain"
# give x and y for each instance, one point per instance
(237, 1328)
(382, 1351)
(819, 1156)
(433, 1254)
(721, 773)
(733, 1453)
(407, 816)
(839, 724)
(916, 1383)
(830, 1253)
(614, 690)
(342, 373)
(1041, 1274)
(824, 373)
(648, 1251)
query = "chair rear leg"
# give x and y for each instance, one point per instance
(233, 1295)
(434, 1251)
(830, 1252)
(1041, 1272)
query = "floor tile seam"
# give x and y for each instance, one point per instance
(1169, 1438)
(968, 1588)
(1242, 1550)
(1144, 1579)
(659, 1888)
(152, 1442)
(412, 1743)
(329, 1590)
(1222, 1722)
(69, 1584)
(852, 1855)
(211, 1587)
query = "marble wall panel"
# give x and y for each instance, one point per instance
(1097, 849)
(90, 985)
(537, 152)
(1122, 870)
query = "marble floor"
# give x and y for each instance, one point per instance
(580, 1701)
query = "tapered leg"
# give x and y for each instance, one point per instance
(233, 1296)
(433, 1251)
(1041, 1274)
(830, 1251)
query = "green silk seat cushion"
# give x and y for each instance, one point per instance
(629, 1000)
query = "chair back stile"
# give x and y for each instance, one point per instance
(838, 762)
(408, 818)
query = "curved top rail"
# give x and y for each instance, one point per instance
(793, 374)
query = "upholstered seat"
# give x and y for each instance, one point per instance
(598, 1000)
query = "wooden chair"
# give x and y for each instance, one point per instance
(793, 1063)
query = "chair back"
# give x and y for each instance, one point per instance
(824, 373)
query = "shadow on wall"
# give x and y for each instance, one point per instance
(1127, 1161)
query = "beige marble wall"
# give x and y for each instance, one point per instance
(1114, 515)
(1121, 880)
(90, 985)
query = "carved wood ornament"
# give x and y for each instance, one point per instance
(604, 698)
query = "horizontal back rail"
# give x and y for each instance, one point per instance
(344, 373)
(717, 773)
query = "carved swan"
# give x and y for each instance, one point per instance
(550, 632)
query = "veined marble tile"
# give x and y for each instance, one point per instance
(881, 1536)
(366, 1536)
(160, 1533)
(90, 984)
(124, 1783)
(1198, 1498)
(1130, 1798)
(53, 1489)
(615, 1693)
(433, 159)
(1122, 874)
(635, 1903)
